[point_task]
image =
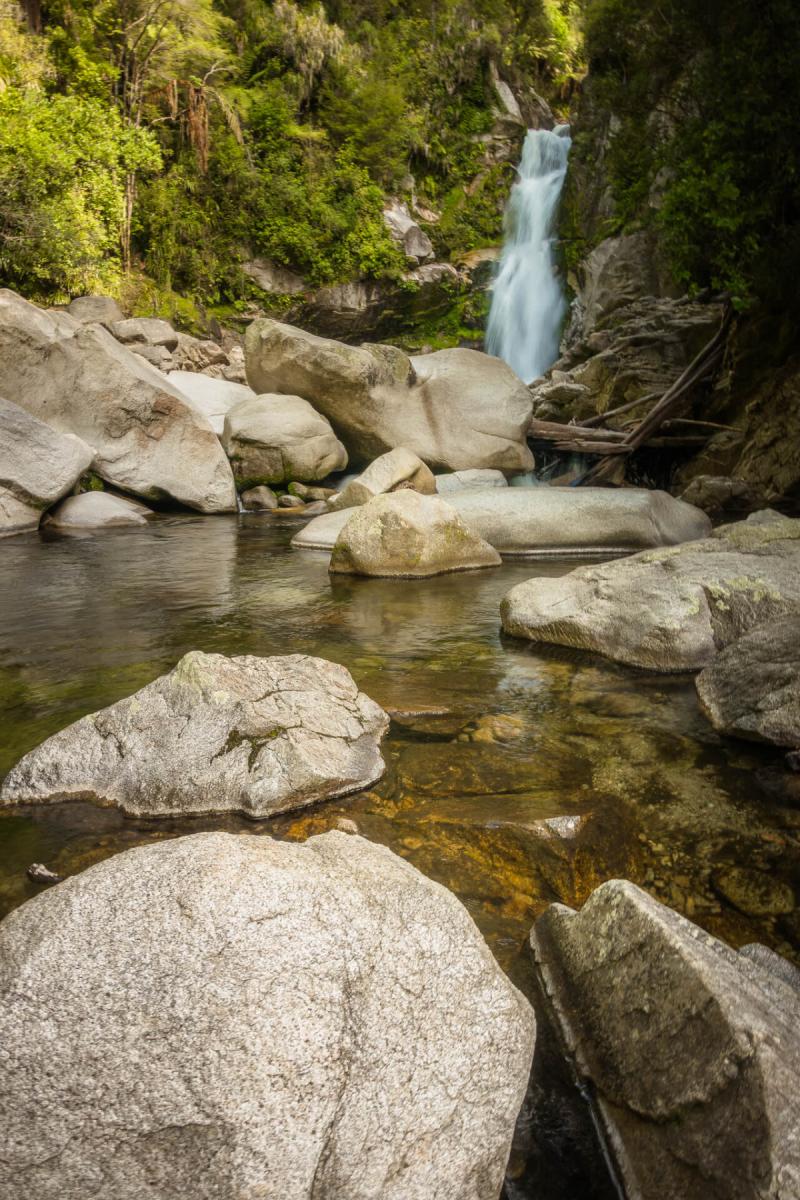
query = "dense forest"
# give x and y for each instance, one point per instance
(149, 147)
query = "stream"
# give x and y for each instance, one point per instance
(517, 775)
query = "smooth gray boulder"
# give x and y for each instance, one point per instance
(96, 510)
(95, 310)
(38, 465)
(276, 439)
(552, 521)
(80, 380)
(395, 469)
(540, 521)
(220, 1015)
(244, 734)
(752, 688)
(691, 1050)
(456, 409)
(211, 398)
(475, 480)
(150, 331)
(670, 609)
(408, 535)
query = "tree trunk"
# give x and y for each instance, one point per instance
(127, 219)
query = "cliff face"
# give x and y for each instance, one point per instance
(670, 210)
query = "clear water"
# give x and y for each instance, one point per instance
(492, 738)
(528, 303)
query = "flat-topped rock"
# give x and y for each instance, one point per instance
(225, 1015)
(78, 379)
(216, 734)
(455, 409)
(38, 465)
(97, 510)
(692, 1051)
(671, 609)
(540, 522)
(408, 535)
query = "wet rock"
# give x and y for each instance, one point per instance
(95, 310)
(208, 1017)
(752, 688)
(277, 438)
(211, 398)
(719, 496)
(692, 1050)
(310, 493)
(408, 535)
(667, 610)
(291, 502)
(378, 399)
(95, 510)
(463, 481)
(315, 508)
(150, 331)
(395, 469)
(216, 734)
(753, 892)
(259, 499)
(38, 465)
(39, 873)
(146, 438)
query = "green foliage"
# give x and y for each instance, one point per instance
(62, 167)
(707, 97)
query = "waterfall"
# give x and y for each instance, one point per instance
(528, 303)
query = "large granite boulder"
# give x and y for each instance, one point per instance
(691, 1050)
(752, 688)
(542, 522)
(474, 480)
(216, 734)
(275, 439)
(211, 398)
(80, 380)
(456, 409)
(147, 331)
(220, 1015)
(408, 535)
(398, 468)
(667, 610)
(38, 465)
(549, 521)
(97, 510)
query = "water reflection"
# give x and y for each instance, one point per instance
(493, 738)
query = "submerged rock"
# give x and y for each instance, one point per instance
(38, 465)
(275, 439)
(667, 610)
(692, 1050)
(93, 510)
(456, 409)
(752, 689)
(80, 380)
(216, 734)
(408, 535)
(395, 469)
(207, 1017)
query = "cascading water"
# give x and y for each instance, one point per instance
(528, 303)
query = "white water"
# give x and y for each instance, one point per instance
(528, 303)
